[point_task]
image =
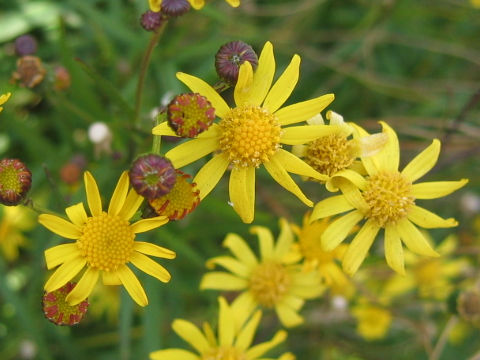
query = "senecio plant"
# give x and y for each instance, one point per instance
(365, 196)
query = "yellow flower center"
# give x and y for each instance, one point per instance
(250, 136)
(225, 353)
(389, 197)
(330, 154)
(269, 282)
(107, 242)
(9, 179)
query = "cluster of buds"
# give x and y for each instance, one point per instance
(15, 181)
(153, 19)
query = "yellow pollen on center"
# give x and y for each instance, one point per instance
(107, 242)
(224, 353)
(269, 282)
(250, 135)
(330, 154)
(389, 197)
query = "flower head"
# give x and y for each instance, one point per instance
(385, 198)
(272, 281)
(58, 311)
(175, 8)
(14, 220)
(15, 181)
(373, 321)
(231, 343)
(30, 71)
(252, 133)
(468, 305)
(3, 99)
(151, 20)
(229, 58)
(156, 5)
(104, 244)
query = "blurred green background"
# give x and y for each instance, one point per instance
(414, 64)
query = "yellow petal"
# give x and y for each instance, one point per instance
(60, 226)
(307, 292)
(283, 87)
(262, 79)
(153, 250)
(245, 336)
(93, 196)
(293, 164)
(191, 334)
(288, 317)
(65, 273)
(436, 189)
(191, 151)
(199, 86)
(77, 214)
(302, 134)
(219, 280)
(414, 239)
(132, 285)
(148, 224)
(197, 4)
(150, 267)
(84, 287)
(242, 307)
(330, 206)
(285, 240)
(240, 249)
(428, 220)
(294, 302)
(352, 176)
(211, 173)
(352, 194)
(234, 3)
(119, 195)
(338, 230)
(226, 327)
(260, 349)
(60, 254)
(358, 248)
(389, 156)
(242, 192)
(280, 175)
(244, 84)
(155, 5)
(131, 205)
(173, 354)
(110, 278)
(423, 162)
(265, 239)
(304, 110)
(230, 264)
(163, 129)
(394, 250)
(4, 98)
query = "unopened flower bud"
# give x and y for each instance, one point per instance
(25, 45)
(151, 20)
(229, 58)
(190, 114)
(62, 80)
(152, 176)
(30, 71)
(468, 306)
(15, 181)
(58, 311)
(174, 8)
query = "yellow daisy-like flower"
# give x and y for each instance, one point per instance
(3, 99)
(156, 5)
(231, 343)
(13, 221)
(386, 199)
(272, 281)
(373, 321)
(252, 133)
(105, 244)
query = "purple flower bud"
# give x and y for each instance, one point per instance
(151, 20)
(15, 181)
(25, 45)
(174, 8)
(229, 58)
(152, 176)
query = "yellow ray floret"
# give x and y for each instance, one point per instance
(3, 99)
(252, 133)
(385, 198)
(104, 244)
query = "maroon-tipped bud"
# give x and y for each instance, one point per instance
(25, 45)
(151, 20)
(30, 71)
(152, 176)
(174, 8)
(190, 114)
(62, 79)
(58, 311)
(229, 58)
(15, 181)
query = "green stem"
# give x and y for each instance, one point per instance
(442, 340)
(157, 139)
(38, 209)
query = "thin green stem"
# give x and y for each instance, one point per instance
(442, 340)
(157, 139)
(38, 209)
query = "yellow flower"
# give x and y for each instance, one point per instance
(386, 199)
(230, 344)
(335, 152)
(314, 257)
(475, 3)
(105, 244)
(251, 134)
(156, 5)
(3, 99)
(373, 321)
(271, 282)
(14, 220)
